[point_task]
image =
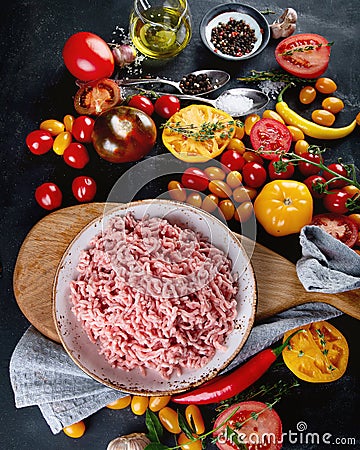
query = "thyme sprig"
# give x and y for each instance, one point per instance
(274, 76)
(204, 131)
(306, 48)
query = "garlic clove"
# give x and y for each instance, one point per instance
(133, 441)
(123, 55)
(285, 25)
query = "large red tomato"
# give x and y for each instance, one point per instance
(88, 57)
(271, 137)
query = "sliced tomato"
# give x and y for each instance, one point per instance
(96, 97)
(261, 427)
(271, 137)
(304, 55)
(339, 226)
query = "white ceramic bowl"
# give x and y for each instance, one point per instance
(84, 353)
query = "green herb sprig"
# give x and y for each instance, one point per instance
(203, 132)
(306, 48)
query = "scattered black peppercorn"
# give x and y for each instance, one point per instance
(234, 38)
(196, 84)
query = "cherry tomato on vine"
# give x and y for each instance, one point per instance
(84, 188)
(96, 97)
(82, 128)
(166, 106)
(48, 195)
(254, 174)
(306, 168)
(39, 142)
(314, 183)
(281, 171)
(76, 430)
(88, 57)
(335, 202)
(340, 169)
(232, 159)
(76, 155)
(143, 103)
(194, 178)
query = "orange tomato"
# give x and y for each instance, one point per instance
(215, 173)
(253, 157)
(301, 147)
(169, 420)
(157, 403)
(250, 121)
(188, 444)
(194, 418)
(120, 403)
(325, 85)
(194, 199)
(355, 217)
(244, 194)
(239, 131)
(177, 191)
(351, 189)
(220, 189)
(243, 212)
(237, 145)
(307, 95)
(323, 117)
(333, 104)
(76, 430)
(210, 203)
(139, 404)
(227, 208)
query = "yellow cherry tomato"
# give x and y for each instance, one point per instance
(351, 189)
(301, 146)
(194, 418)
(194, 199)
(307, 95)
(239, 131)
(53, 126)
(120, 403)
(177, 191)
(68, 122)
(270, 114)
(296, 133)
(139, 404)
(325, 85)
(227, 208)
(76, 430)
(243, 212)
(210, 203)
(250, 121)
(244, 194)
(234, 179)
(237, 145)
(333, 104)
(215, 173)
(323, 117)
(62, 142)
(355, 218)
(253, 157)
(283, 207)
(188, 444)
(169, 420)
(220, 189)
(157, 403)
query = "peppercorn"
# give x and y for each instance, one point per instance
(196, 84)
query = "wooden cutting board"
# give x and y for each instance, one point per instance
(278, 285)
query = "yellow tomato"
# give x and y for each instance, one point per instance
(194, 418)
(243, 212)
(139, 404)
(250, 121)
(301, 147)
(253, 157)
(355, 218)
(177, 191)
(220, 189)
(169, 420)
(296, 133)
(53, 126)
(234, 179)
(62, 142)
(325, 85)
(215, 173)
(237, 145)
(188, 444)
(157, 403)
(76, 430)
(227, 208)
(307, 95)
(318, 355)
(283, 207)
(239, 131)
(210, 203)
(244, 194)
(333, 104)
(323, 117)
(270, 114)
(120, 403)
(194, 199)
(68, 122)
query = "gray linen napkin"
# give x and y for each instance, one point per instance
(42, 374)
(327, 265)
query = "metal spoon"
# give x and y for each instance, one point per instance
(218, 79)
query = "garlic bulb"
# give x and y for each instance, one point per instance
(133, 441)
(285, 25)
(123, 55)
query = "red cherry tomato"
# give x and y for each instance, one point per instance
(76, 155)
(254, 174)
(39, 141)
(270, 136)
(194, 178)
(233, 160)
(84, 188)
(340, 169)
(167, 105)
(48, 196)
(280, 171)
(82, 128)
(313, 183)
(310, 63)
(306, 168)
(335, 202)
(143, 103)
(96, 97)
(339, 226)
(88, 57)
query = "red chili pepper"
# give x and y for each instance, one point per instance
(226, 386)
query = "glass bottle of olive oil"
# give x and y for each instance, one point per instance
(160, 32)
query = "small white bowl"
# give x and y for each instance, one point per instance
(85, 353)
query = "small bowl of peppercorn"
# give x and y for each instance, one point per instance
(234, 31)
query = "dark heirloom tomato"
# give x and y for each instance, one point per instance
(303, 55)
(96, 97)
(339, 226)
(270, 136)
(123, 134)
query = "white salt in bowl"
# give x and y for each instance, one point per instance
(85, 353)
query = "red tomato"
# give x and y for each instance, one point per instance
(339, 226)
(306, 168)
(281, 171)
(254, 174)
(39, 141)
(167, 105)
(335, 202)
(270, 136)
(303, 55)
(261, 427)
(143, 103)
(82, 128)
(194, 178)
(233, 160)
(88, 57)
(76, 155)
(96, 97)
(340, 169)
(48, 196)
(314, 183)
(84, 188)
